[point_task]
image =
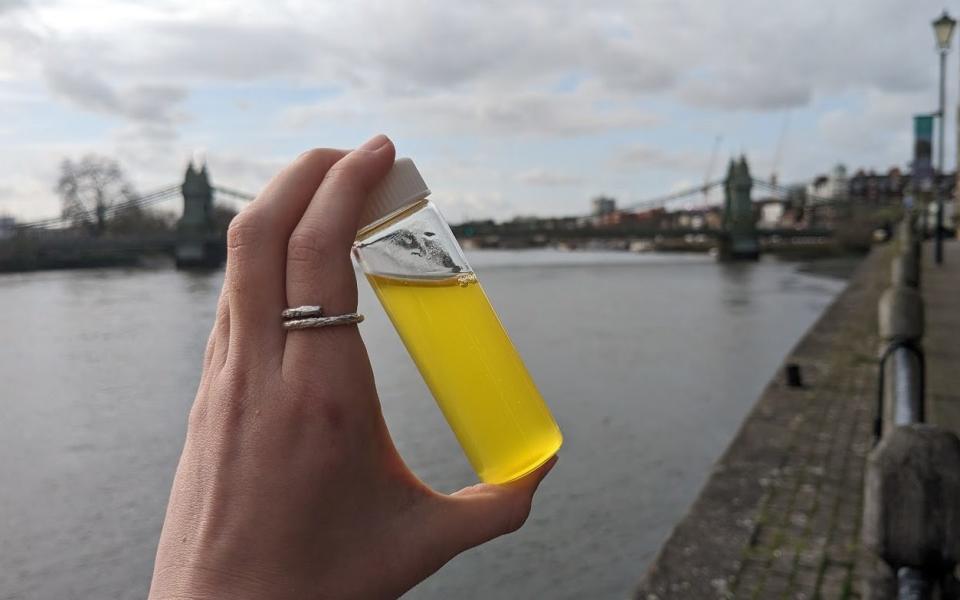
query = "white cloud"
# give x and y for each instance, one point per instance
(143, 103)
(8, 5)
(466, 205)
(530, 113)
(879, 127)
(757, 56)
(531, 80)
(502, 114)
(548, 178)
(745, 55)
(746, 90)
(653, 157)
(303, 115)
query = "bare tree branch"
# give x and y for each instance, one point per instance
(89, 188)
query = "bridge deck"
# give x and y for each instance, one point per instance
(632, 232)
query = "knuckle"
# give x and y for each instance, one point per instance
(197, 418)
(221, 324)
(344, 177)
(308, 247)
(242, 379)
(209, 350)
(245, 238)
(233, 390)
(313, 155)
(242, 234)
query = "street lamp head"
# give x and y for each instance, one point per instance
(943, 29)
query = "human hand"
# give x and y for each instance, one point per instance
(289, 485)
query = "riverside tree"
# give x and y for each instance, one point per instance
(91, 189)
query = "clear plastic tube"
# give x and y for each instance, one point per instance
(446, 322)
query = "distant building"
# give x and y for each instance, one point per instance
(830, 187)
(874, 187)
(603, 205)
(619, 218)
(864, 185)
(772, 212)
(713, 217)
(708, 217)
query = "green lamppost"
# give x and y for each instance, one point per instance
(943, 30)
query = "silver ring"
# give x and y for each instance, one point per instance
(347, 319)
(301, 312)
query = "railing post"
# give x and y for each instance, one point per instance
(911, 512)
(911, 516)
(900, 389)
(913, 584)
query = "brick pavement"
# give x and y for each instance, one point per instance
(780, 514)
(940, 286)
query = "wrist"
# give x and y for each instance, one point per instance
(196, 582)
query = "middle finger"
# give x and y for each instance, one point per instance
(256, 255)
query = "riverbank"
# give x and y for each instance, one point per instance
(781, 511)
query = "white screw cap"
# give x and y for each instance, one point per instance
(402, 187)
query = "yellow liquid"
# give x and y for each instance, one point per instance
(474, 372)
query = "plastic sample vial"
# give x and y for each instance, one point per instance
(443, 316)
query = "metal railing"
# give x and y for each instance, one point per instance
(912, 490)
(901, 378)
(904, 380)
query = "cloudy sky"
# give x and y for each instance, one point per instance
(508, 107)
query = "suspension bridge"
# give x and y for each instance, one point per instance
(668, 220)
(198, 241)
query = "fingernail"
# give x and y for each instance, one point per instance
(375, 143)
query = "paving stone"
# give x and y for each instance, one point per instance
(775, 587)
(941, 344)
(833, 582)
(798, 472)
(805, 581)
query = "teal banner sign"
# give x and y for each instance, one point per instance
(922, 148)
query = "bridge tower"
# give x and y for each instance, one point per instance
(198, 245)
(739, 239)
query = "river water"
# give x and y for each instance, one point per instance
(649, 362)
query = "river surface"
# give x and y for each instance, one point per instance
(649, 362)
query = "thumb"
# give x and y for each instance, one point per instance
(479, 513)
